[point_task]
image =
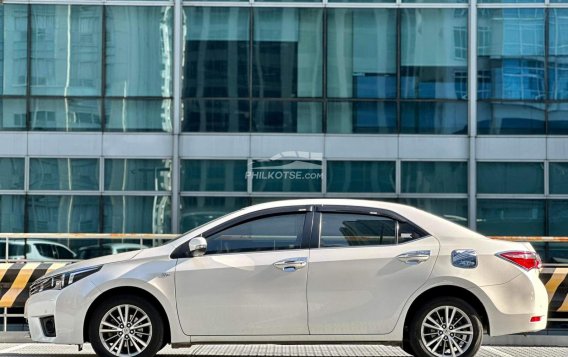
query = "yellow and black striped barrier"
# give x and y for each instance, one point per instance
(556, 282)
(16, 278)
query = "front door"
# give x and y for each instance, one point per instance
(359, 277)
(251, 281)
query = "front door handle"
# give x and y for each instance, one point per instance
(291, 264)
(415, 257)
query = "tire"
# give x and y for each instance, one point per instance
(434, 338)
(148, 323)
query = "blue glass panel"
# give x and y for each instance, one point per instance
(64, 174)
(13, 113)
(557, 218)
(360, 176)
(213, 175)
(287, 52)
(454, 210)
(510, 118)
(13, 49)
(434, 46)
(139, 51)
(434, 177)
(65, 114)
(511, 217)
(66, 46)
(62, 214)
(510, 177)
(212, 115)
(137, 214)
(138, 115)
(216, 52)
(361, 53)
(510, 44)
(558, 172)
(287, 117)
(11, 174)
(433, 118)
(361, 117)
(196, 211)
(12, 214)
(558, 119)
(137, 175)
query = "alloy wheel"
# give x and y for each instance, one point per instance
(125, 330)
(447, 331)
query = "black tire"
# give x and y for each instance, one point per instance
(156, 340)
(417, 343)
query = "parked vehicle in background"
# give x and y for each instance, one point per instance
(95, 251)
(362, 271)
(36, 249)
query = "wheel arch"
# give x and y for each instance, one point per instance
(128, 290)
(446, 291)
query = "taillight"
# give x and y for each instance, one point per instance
(526, 260)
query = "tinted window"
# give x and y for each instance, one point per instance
(45, 250)
(263, 234)
(63, 253)
(408, 232)
(345, 230)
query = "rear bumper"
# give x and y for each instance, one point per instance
(512, 305)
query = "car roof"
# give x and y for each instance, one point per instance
(36, 241)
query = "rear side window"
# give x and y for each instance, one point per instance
(348, 230)
(46, 250)
(408, 232)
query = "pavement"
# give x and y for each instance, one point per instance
(46, 350)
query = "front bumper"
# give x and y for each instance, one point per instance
(512, 305)
(68, 307)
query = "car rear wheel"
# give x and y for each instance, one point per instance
(126, 326)
(445, 327)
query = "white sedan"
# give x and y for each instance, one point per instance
(300, 271)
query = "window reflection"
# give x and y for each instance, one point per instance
(216, 116)
(511, 217)
(360, 176)
(511, 54)
(137, 214)
(13, 49)
(558, 172)
(13, 114)
(12, 174)
(217, 52)
(213, 175)
(361, 53)
(65, 114)
(287, 117)
(66, 50)
(55, 214)
(287, 52)
(138, 115)
(12, 214)
(510, 177)
(434, 177)
(433, 53)
(454, 210)
(138, 41)
(361, 117)
(196, 211)
(64, 174)
(510, 118)
(558, 54)
(138, 175)
(433, 118)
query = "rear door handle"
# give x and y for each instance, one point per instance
(291, 264)
(415, 257)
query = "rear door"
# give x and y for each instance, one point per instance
(364, 265)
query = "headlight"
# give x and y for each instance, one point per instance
(62, 280)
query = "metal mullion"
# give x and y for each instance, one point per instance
(510, 196)
(454, 196)
(361, 195)
(137, 193)
(288, 5)
(545, 65)
(213, 194)
(62, 193)
(29, 70)
(177, 70)
(103, 70)
(65, 2)
(472, 101)
(398, 59)
(324, 81)
(137, 3)
(511, 6)
(216, 4)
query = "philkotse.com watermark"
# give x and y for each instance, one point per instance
(288, 165)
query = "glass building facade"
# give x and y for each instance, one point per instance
(156, 116)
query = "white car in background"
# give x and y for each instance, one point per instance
(100, 250)
(300, 271)
(36, 250)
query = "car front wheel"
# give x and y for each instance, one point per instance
(126, 326)
(446, 327)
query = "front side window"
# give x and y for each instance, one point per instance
(262, 234)
(348, 230)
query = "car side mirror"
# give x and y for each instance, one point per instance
(197, 246)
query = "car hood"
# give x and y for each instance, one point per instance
(115, 258)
